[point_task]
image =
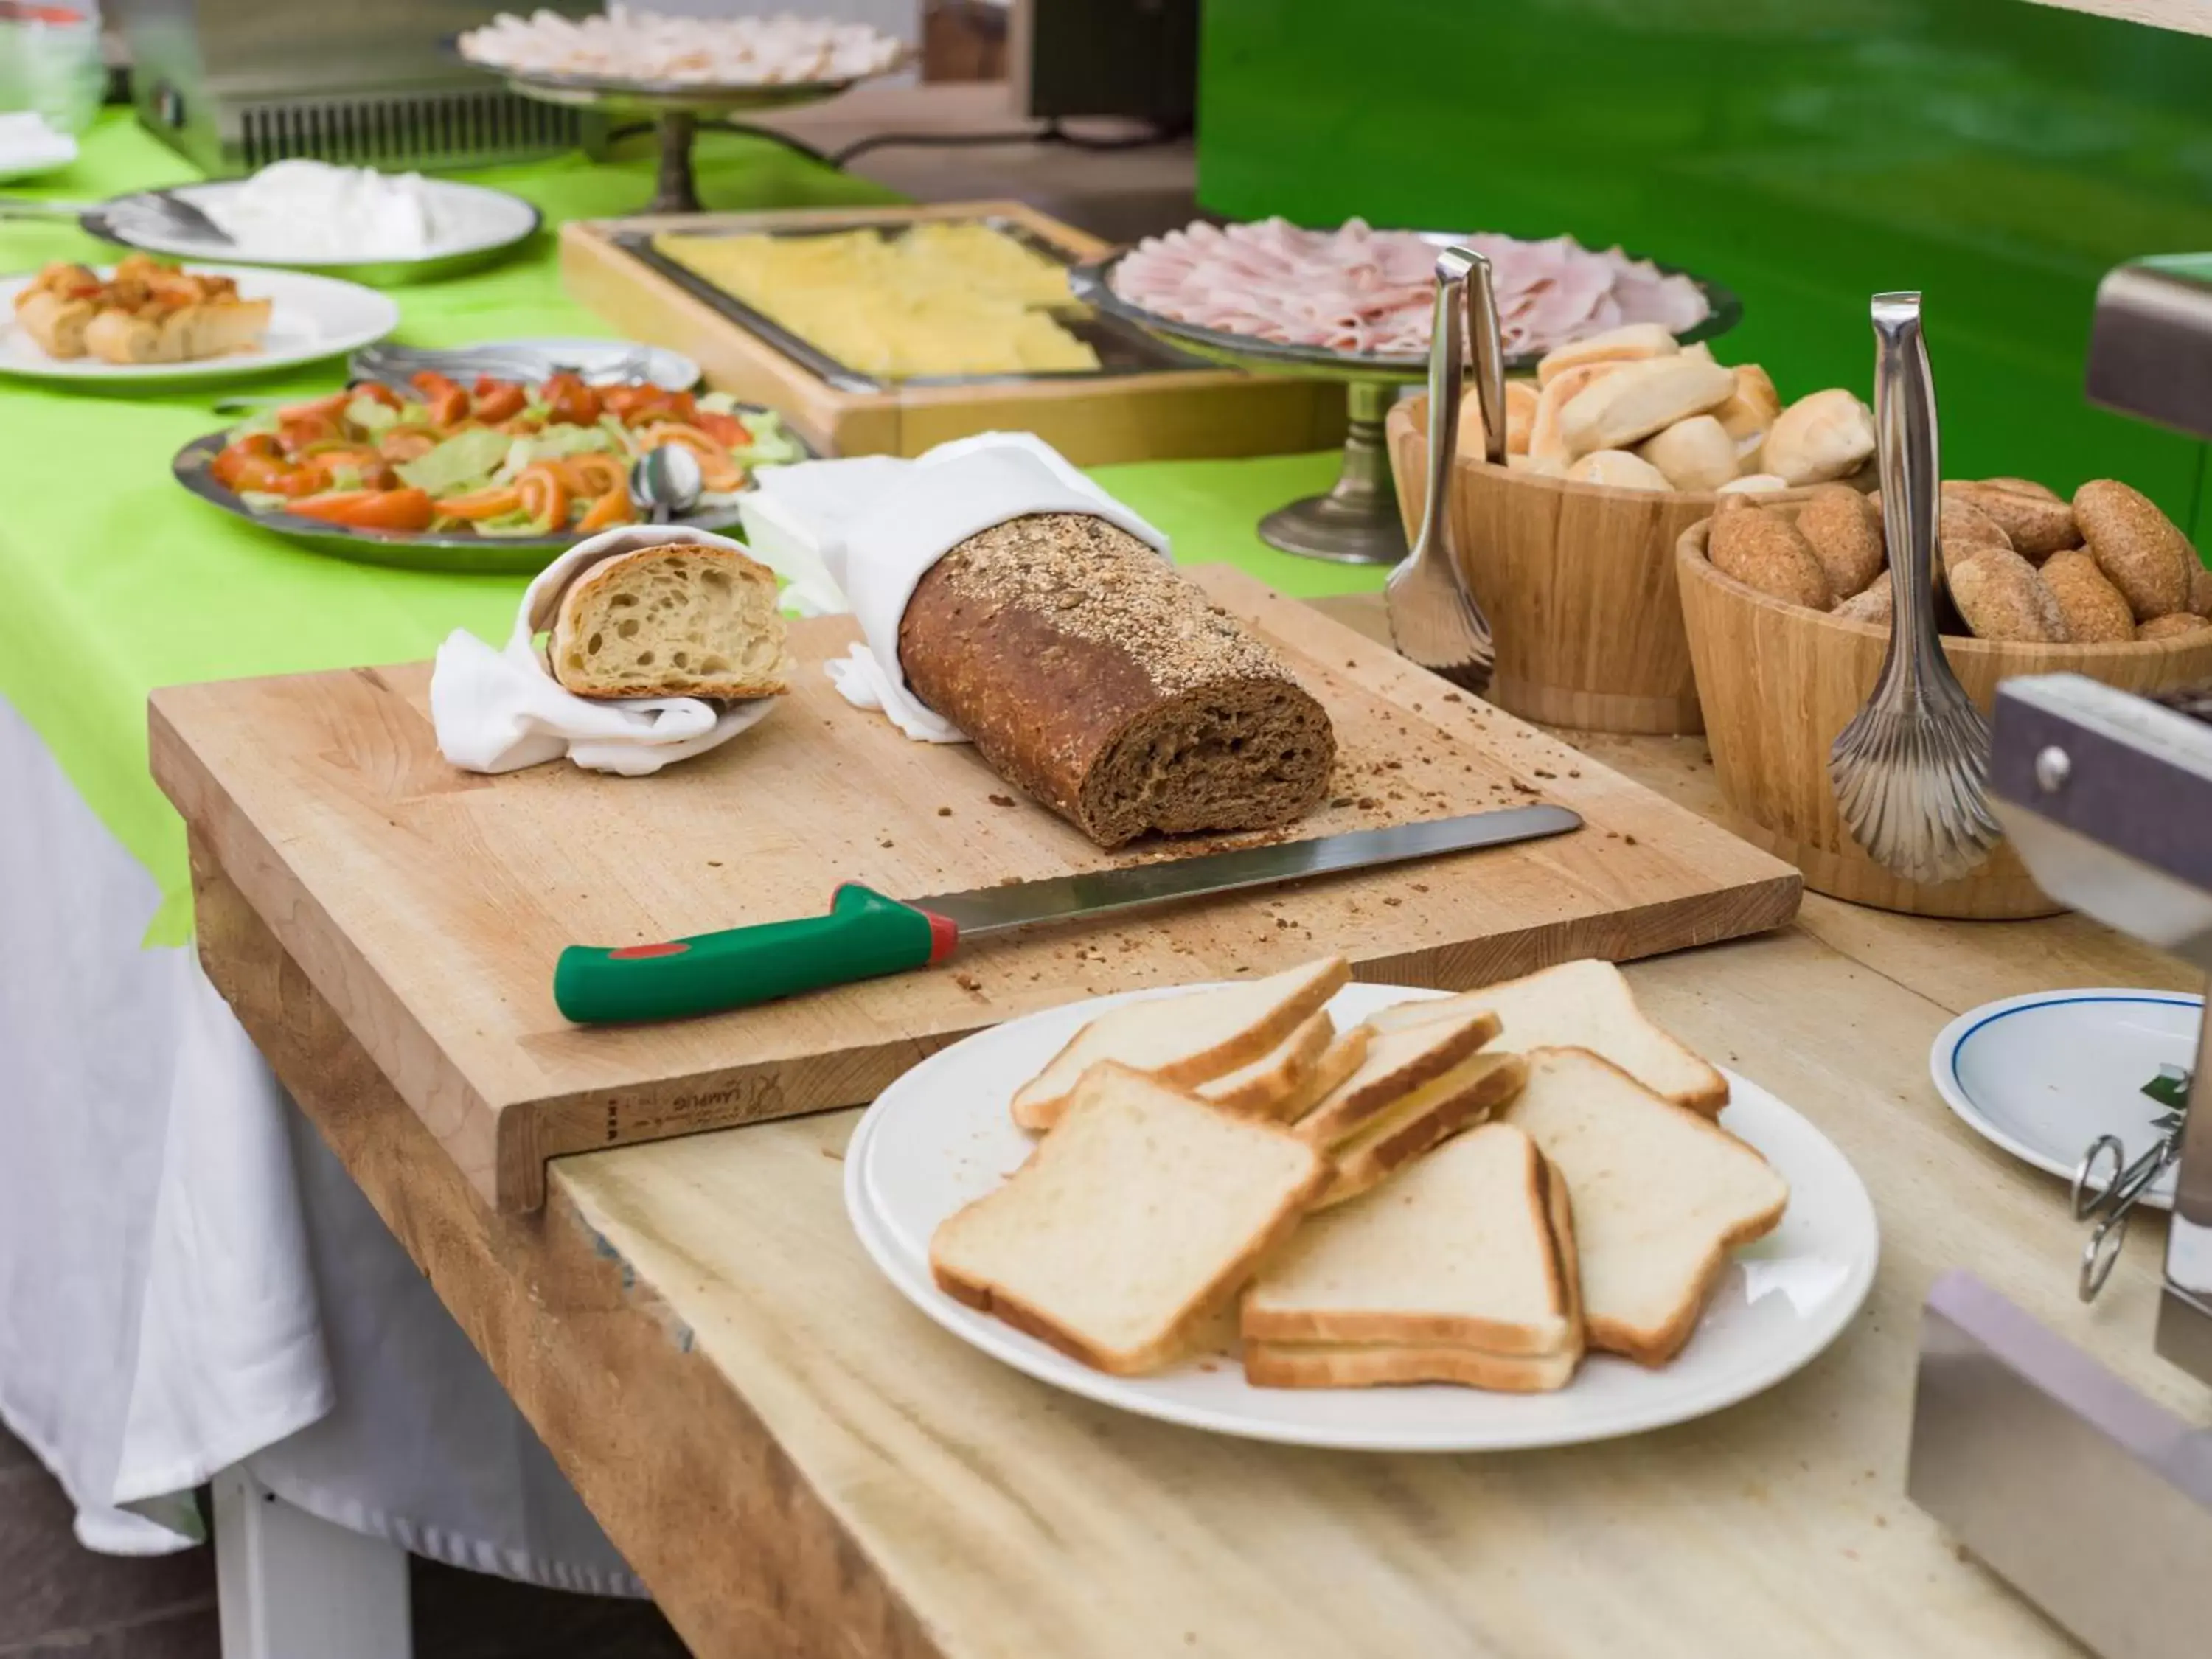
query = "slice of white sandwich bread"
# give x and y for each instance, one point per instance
(1143, 1210)
(1396, 1063)
(1661, 1194)
(1583, 1005)
(1461, 1270)
(1426, 1116)
(1345, 1052)
(1262, 1086)
(1184, 1041)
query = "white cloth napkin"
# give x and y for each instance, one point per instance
(498, 711)
(861, 533)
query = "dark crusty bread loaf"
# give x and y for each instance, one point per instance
(1091, 674)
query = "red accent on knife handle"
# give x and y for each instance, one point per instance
(943, 936)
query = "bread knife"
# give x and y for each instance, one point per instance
(866, 934)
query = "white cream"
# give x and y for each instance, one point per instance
(310, 210)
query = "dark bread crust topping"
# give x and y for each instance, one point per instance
(1085, 670)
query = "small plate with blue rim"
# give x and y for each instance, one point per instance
(2043, 1075)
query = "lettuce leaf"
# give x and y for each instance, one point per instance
(264, 501)
(517, 523)
(370, 415)
(771, 446)
(466, 460)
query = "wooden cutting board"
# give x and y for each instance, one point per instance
(428, 905)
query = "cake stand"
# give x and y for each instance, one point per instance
(675, 108)
(1356, 522)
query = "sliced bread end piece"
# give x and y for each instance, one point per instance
(1661, 1195)
(1143, 1210)
(1587, 1003)
(1184, 1041)
(1263, 1085)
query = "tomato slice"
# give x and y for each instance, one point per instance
(727, 430)
(227, 465)
(568, 399)
(370, 509)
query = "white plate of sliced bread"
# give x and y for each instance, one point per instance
(1361, 1216)
(307, 319)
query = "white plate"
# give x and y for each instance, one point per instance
(36, 161)
(312, 317)
(2046, 1074)
(477, 220)
(941, 1136)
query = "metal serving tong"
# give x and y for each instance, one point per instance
(1912, 771)
(1434, 620)
(173, 211)
(2108, 1187)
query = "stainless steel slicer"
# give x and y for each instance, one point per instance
(2092, 1500)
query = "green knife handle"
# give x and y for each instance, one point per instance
(864, 934)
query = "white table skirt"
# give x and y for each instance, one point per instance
(188, 1279)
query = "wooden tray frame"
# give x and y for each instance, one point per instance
(1166, 415)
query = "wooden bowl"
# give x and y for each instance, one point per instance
(1577, 580)
(1778, 682)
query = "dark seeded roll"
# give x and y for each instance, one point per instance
(1091, 674)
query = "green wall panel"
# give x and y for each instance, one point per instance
(1996, 155)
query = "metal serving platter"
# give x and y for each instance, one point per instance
(1093, 283)
(1124, 347)
(461, 552)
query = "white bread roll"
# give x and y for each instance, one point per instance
(1829, 435)
(1696, 455)
(1637, 400)
(1630, 343)
(1618, 469)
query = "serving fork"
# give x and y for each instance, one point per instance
(1434, 620)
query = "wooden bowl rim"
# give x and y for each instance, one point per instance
(1690, 563)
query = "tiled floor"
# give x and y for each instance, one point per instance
(58, 1601)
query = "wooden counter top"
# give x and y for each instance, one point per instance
(800, 1463)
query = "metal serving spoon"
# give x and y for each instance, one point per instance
(1434, 620)
(1912, 771)
(666, 483)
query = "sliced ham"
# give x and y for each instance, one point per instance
(1358, 289)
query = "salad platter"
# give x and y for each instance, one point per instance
(495, 476)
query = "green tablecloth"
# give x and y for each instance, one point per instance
(115, 581)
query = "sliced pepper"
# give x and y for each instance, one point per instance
(610, 509)
(495, 502)
(544, 495)
(716, 468)
(498, 400)
(370, 509)
(593, 473)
